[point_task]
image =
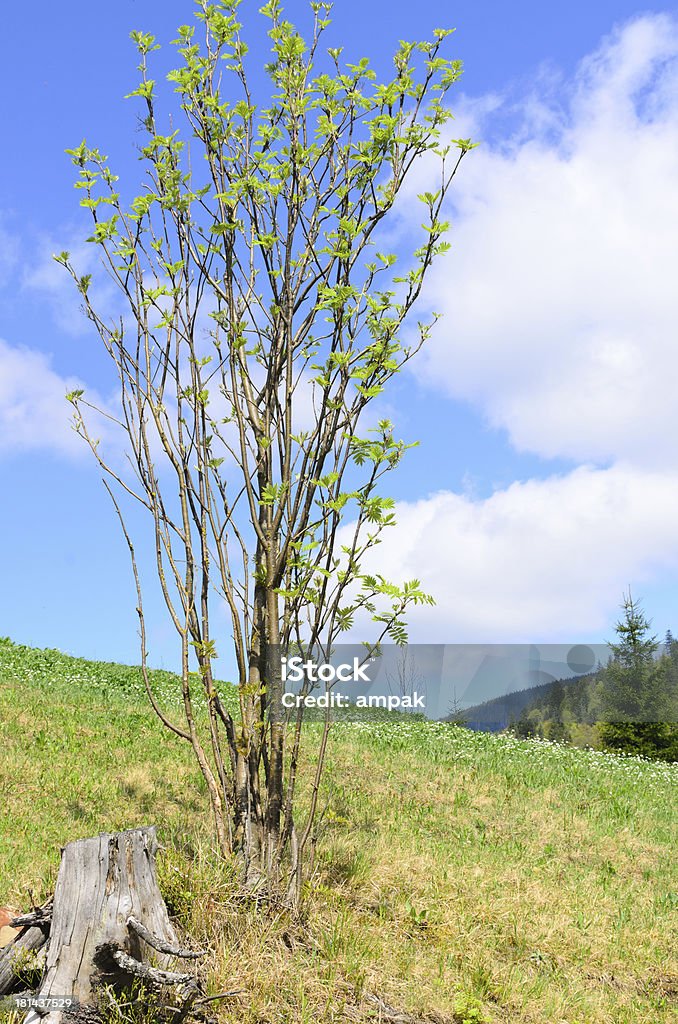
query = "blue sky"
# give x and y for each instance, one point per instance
(546, 481)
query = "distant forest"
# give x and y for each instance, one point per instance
(629, 705)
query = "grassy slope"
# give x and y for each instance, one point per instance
(455, 871)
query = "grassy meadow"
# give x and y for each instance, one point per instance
(459, 877)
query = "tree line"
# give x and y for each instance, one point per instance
(629, 705)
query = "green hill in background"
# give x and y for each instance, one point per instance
(459, 876)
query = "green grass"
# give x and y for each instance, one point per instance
(459, 877)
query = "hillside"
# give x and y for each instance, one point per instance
(460, 877)
(499, 713)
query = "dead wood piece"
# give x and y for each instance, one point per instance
(219, 995)
(160, 945)
(379, 1010)
(10, 958)
(39, 916)
(130, 965)
(186, 1007)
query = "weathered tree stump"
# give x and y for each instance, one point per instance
(109, 925)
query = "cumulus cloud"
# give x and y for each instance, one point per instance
(561, 313)
(540, 561)
(34, 413)
(559, 295)
(46, 278)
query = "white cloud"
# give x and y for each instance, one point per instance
(53, 284)
(544, 560)
(561, 316)
(34, 413)
(560, 298)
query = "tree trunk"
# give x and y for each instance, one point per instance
(109, 920)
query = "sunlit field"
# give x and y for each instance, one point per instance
(459, 877)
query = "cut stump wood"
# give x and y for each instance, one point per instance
(102, 883)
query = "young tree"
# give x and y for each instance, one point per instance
(264, 318)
